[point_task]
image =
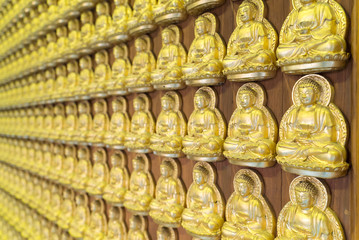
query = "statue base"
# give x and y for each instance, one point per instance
(116, 147)
(101, 44)
(205, 81)
(260, 163)
(72, 14)
(313, 67)
(86, 5)
(62, 21)
(169, 85)
(119, 37)
(200, 6)
(117, 92)
(86, 51)
(166, 224)
(139, 150)
(204, 158)
(170, 17)
(140, 88)
(169, 155)
(142, 28)
(317, 172)
(98, 94)
(73, 56)
(250, 76)
(96, 144)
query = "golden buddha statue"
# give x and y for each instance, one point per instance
(203, 216)
(166, 233)
(313, 131)
(74, 39)
(142, 19)
(67, 209)
(120, 69)
(170, 127)
(116, 225)
(86, 78)
(102, 25)
(81, 217)
(97, 227)
(120, 16)
(252, 131)
(60, 83)
(50, 76)
(250, 52)
(312, 38)
(167, 207)
(56, 200)
(46, 159)
(72, 80)
(143, 63)
(71, 122)
(196, 7)
(58, 122)
(100, 124)
(119, 124)
(62, 43)
(142, 126)
(118, 183)
(83, 170)
(307, 215)
(57, 162)
(100, 173)
(204, 63)
(142, 187)
(168, 74)
(102, 75)
(39, 122)
(84, 122)
(87, 32)
(68, 165)
(137, 228)
(48, 121)
(206, 128)
(169, 12)
(248, 215)
(51, 48)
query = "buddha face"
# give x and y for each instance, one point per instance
(118, 52)
(101, 9)
(138, 105)
(246, 100)
(85, 63)
(201, 26)
(166, 171)
(167, 104)
(71, 67)
(50, 37)
(113, 214)
(307, 95)
(68, 151)
(116, 160)
(244, 189)
(98, 156)
(304, 199)
(61, 32)
(167, 37)
(137, 164)
(246, 13)
(100, 58)
(163, 234)
(199, 177)
(201, 101)
(99, 108)
(135, 223)
(73, 25)
(140, 45)
(86, 17)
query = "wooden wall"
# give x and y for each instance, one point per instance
(279, 100)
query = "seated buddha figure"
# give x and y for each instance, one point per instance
(250, 52)
(140, 194)
(57, 162)
(102, 25)
(67, 209)
(116, 225)
(312, 38)
(251, 130)
(87, 32)
(81, 217)
(50, 76)
(100, 123)
(119, 124)
(62, 43)
(72, 80)
(170, 127)
(248, 215)
(102, 75)
(86, 77)
(307, 217)
(142, 126)
(51, 48)
(203, 216)
(137, 228)
(84, 122)
(74, 38)
(68, 165)
(58, 122)
(166, 233)
(83, 169)
(60, 83)
(120, 69)
(97, 228)
(170, 60)
(142, 19)
(143, 63)
(313, 131)
(120, 16)
(169, 11)
(100, 173)
(118, 183)
(70, 124)
(167, 207)
(206, 128)
(56, 200)
(204, 61)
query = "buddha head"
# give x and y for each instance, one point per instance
(99, 107)
(202, 25)
(58, 149)
(116, 160)
(59, 109)
(247, 97)
(61, 31)
(99, 156)
(166, 169)
(139, 104)
(247, 11)
(51, 37)
(72, 67)
(85, 62)
(69, 151)
(117, 106)
(102, 9)
(83, 108)
(114, 213)
(163, 233)
(167, 102)
(305, 194)
(82, 154)
(81, 200)
(118, 52)
(202, 99)
(245, 185)
(140, 45)
(46, 147)
(101, 57)
(168, 36)
(50, 73)
(96, 206)
(309, 92)
(70, 109)
(61, 70)
(86, 17)
(73, 25)
(200, 175)
(138, 163)
(135, 223)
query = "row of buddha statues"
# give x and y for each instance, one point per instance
(312, 133)
(312, 40)
(201, 211)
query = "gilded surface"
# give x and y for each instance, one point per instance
(100, 123)
(203, 216)
(248, 214)
(308, 215)
(81, 217)
(206, 128)
(251, 48)
(120, 17)
(167, 207)
(252, 130)
(137, 228)
(83, 169)
(165, 233)
(312, 38)
(142, 19)
(102, 26)
(97, 227)
(100, 173)
(171, 127)
(313, 131)
(102, 74)
(169, 11)
(116, 224)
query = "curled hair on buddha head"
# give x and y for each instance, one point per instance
(167, 164)
(249, 91)
(244, 178)
(307, 186)
(201, 169)
(251, 5)
(311, 83)
(168, 97)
